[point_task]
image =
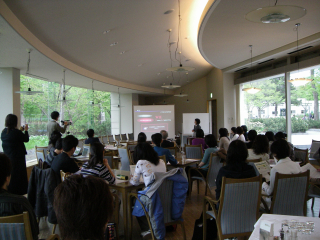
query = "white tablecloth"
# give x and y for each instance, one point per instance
(277, 219)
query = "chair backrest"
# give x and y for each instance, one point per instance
(104, 140)
(64, 175)
(131, 146)
(130, 136)
(173, 151)
(315, 145)
(86, 150)
(81, 143)
(40, 154)
(124, 137)
(239, 206)
(214, 166)
(254, 160)
(290, 194)
(117, 137)
(108, 156)
(194, 151)
(124, 158)
(301, 155)
(110, 139)
(16, 226)
(163, 157)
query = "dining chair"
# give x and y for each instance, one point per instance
(117, 137)
(194, 151)
(254, 160)
(130, 136)
(163, 157)
(131, 146)
(315, 145)
(124, 137)
(125, 158)
(86, 150)
(314, 192)
(111, 139)
(104, 140)
(64, 175)
(238, 207)
(41, 153)
(301, 155)
(173, 150)
(108, 156)
(81, 143)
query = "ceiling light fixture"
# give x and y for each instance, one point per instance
(168, 11)
(28, 69)
(299, 81)
(123, 52)
(105, 32)
(181, 94)
(251, 90)
(64, 92)
(113, 44)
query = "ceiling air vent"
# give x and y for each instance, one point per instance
(300, 50)
(240, 69)
(266, 61)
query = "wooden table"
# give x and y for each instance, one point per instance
(188, 162)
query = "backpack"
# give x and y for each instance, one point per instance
(211, 229)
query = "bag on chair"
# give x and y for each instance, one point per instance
(211, 229)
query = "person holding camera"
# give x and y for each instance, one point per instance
(53, 125)
(13, 140)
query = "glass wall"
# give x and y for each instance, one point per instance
(83, 107)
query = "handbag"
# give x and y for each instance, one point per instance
(211, 229)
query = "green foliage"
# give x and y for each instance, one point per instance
(313, 123)
(40, 141)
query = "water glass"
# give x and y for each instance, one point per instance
(293, 224)
(310, 225)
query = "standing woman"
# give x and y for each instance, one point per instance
(13, 146)
(196, 125)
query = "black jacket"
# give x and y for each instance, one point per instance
(91, 140)
(167, 144)
(65, 163)
(41, 188)
(51, 155)
(11, 204)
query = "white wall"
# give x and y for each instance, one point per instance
(229, 96)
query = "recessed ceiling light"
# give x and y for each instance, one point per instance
(169, 11)
(107, 31)
(140, 65)
(158, 74)
(122, 52)
(167, 76)
(113, 44)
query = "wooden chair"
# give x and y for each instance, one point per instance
(125, 158)
(239, 203)
(254, 160)
(64, 175)
(86, 150)
(41, 153)
(173, 150)
(315, 145)
(131, 146)
(163, 157)
(81, 143)
(117, 137)
(108, 156)
(314, 192)
(194, 151)
(124, 137)
(111, 139)
(301, 155)
(104, 140)
(130, 136)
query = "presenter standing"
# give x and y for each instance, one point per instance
(196, 125)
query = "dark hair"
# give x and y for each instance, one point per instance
(69, 142)
(245, 129)
(270, 135)
(96, 152)
(279, 135)
(55, 115)
(142, 137)
(58, 144)
(223, 132)
(197, 121)
(211, 141)
(260, 145)
(252, 134)
(55, 136)
(156, 139)
(234, 130)
(239, 130)
(83, 206)
(90, 133)
(199, 133)
(5, 168)
(146, 152)
(11, 122)
(237, 153)
(280, 148)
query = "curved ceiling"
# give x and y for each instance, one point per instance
(225, 35)
(71, 34)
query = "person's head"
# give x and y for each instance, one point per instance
(279, 135)
(234, 130)
(55, 115)
(197, 121)
(260, 145)
(280, 149)
(58, 146)
(245, 129)
(164, 134)
(83, 206)
(211, 141)
(270, 136)
(5, 171)
(223, 132)
(146, 152)
(55, 136)
(237, 153)
(199, 133)
(239, 130)
(11, 121)
(156, 139)
(252, 134)
(96, 152)
(142, 137)
(90, 133)
(69, 144)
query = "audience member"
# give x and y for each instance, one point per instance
(13, 141)
(11, 204)
(239, 135)
(83, 206)
(91, 139)
(270, 136)
(96, 166)
(156, 140)
(54, 125)
(55, 136)
(199, 140)
(165, 143)
(64, 161)
(233, 132)
(196, 125)
(252, 134)
(245, 132)
(281, 135)
(236, 165)
(142, 137)
(260, 148)
(149, 162)
(224, 140)
(280, 150)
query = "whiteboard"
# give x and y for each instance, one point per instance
(188, 122)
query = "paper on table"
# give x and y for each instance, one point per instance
(313, 171)
(264, 169)
(192, 160)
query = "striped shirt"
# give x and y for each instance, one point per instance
(100, 170)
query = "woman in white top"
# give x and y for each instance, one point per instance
(239, 135)
(149, 162)
(223, 139)
(260, 148)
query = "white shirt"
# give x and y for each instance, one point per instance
(252, 155)
(237, 137)
(224, 143)
(284, 166)
(146, 168)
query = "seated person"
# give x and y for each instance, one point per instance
(236, 165)
(91, 139)
(148, 163)
(239, 135)
(280, 150)
(165, 143)
(55, 136)
(56, 152)
(281, 135)
(224, 140)
(157, 140)
(252, 134)
(270, 136)
(83, 206)
(199, 140)
(260, 148)
(12, 204)
(142, 137)
(64, 161)
(96, 166)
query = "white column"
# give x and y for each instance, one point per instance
(115, 113)
(10, 101)
(288, 105)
